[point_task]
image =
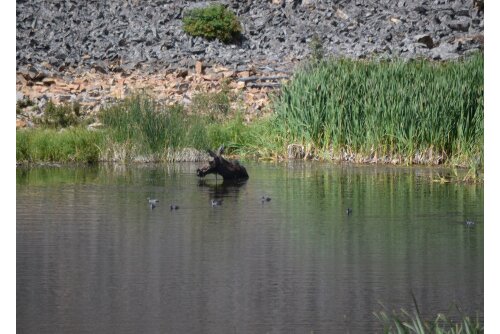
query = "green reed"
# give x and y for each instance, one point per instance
(152, 128)
(50, 145)
(406, 323)
(142, 120)
(391, 108)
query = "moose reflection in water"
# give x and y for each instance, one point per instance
(230, 170)
(222, 189)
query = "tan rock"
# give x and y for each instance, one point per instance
(198, 68)
(395, 20)
(20, 124)
(21, 79)
(74, 87)
(228, 74)
(117, 92)
(244, 74)
(48, 81)
(341, 14)
(211, 77)
(218, 69)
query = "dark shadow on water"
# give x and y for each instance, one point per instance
(221, 189)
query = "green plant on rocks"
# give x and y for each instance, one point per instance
(24, 103)
(316, 49)
(211, 22)
(60, 116)
(215, 105)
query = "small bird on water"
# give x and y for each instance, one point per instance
(265, 199)
(173, 207)
(216, 202)
(348, 211)
(153, 200)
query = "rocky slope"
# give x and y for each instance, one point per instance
(62, 41)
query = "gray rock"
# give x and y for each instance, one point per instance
(19, 96)
(459, 26)
(81, 34)
(444, 51)
(425, 39)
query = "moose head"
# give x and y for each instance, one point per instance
(230, 170)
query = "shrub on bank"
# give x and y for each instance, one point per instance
(214, 21)
(215, 105)
(60, 116)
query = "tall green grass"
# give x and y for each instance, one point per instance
(50, 145)
(141, 120)
(151, 128)
(391, 108)
(418, 110)
(406, 323)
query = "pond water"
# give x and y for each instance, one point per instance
(93, 257)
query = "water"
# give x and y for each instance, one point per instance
(93, 257)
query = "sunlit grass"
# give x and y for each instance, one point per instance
(50, 145)
(413, 112)
(415, 108)
(413, 323)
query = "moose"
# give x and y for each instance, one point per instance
(230, 170)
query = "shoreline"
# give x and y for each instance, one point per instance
(344, 117)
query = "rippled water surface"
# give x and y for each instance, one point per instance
(93, 257)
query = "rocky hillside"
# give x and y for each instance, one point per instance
(60, 41)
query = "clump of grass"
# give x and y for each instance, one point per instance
(317, 52)
(24, 103)
(406, 323)
(215, 105)
(60, 116)
(142, 120)
(417, 109)
(50, 145)
(213, 21)
(147, 127)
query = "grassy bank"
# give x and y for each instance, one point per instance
(417, 111)
(49, 145)
(409, 112)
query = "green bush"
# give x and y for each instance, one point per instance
(21, 104)
(214, 21)
(215, 105)
(60, 116)
(317, 52)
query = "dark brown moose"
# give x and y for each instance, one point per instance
(230, 170)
